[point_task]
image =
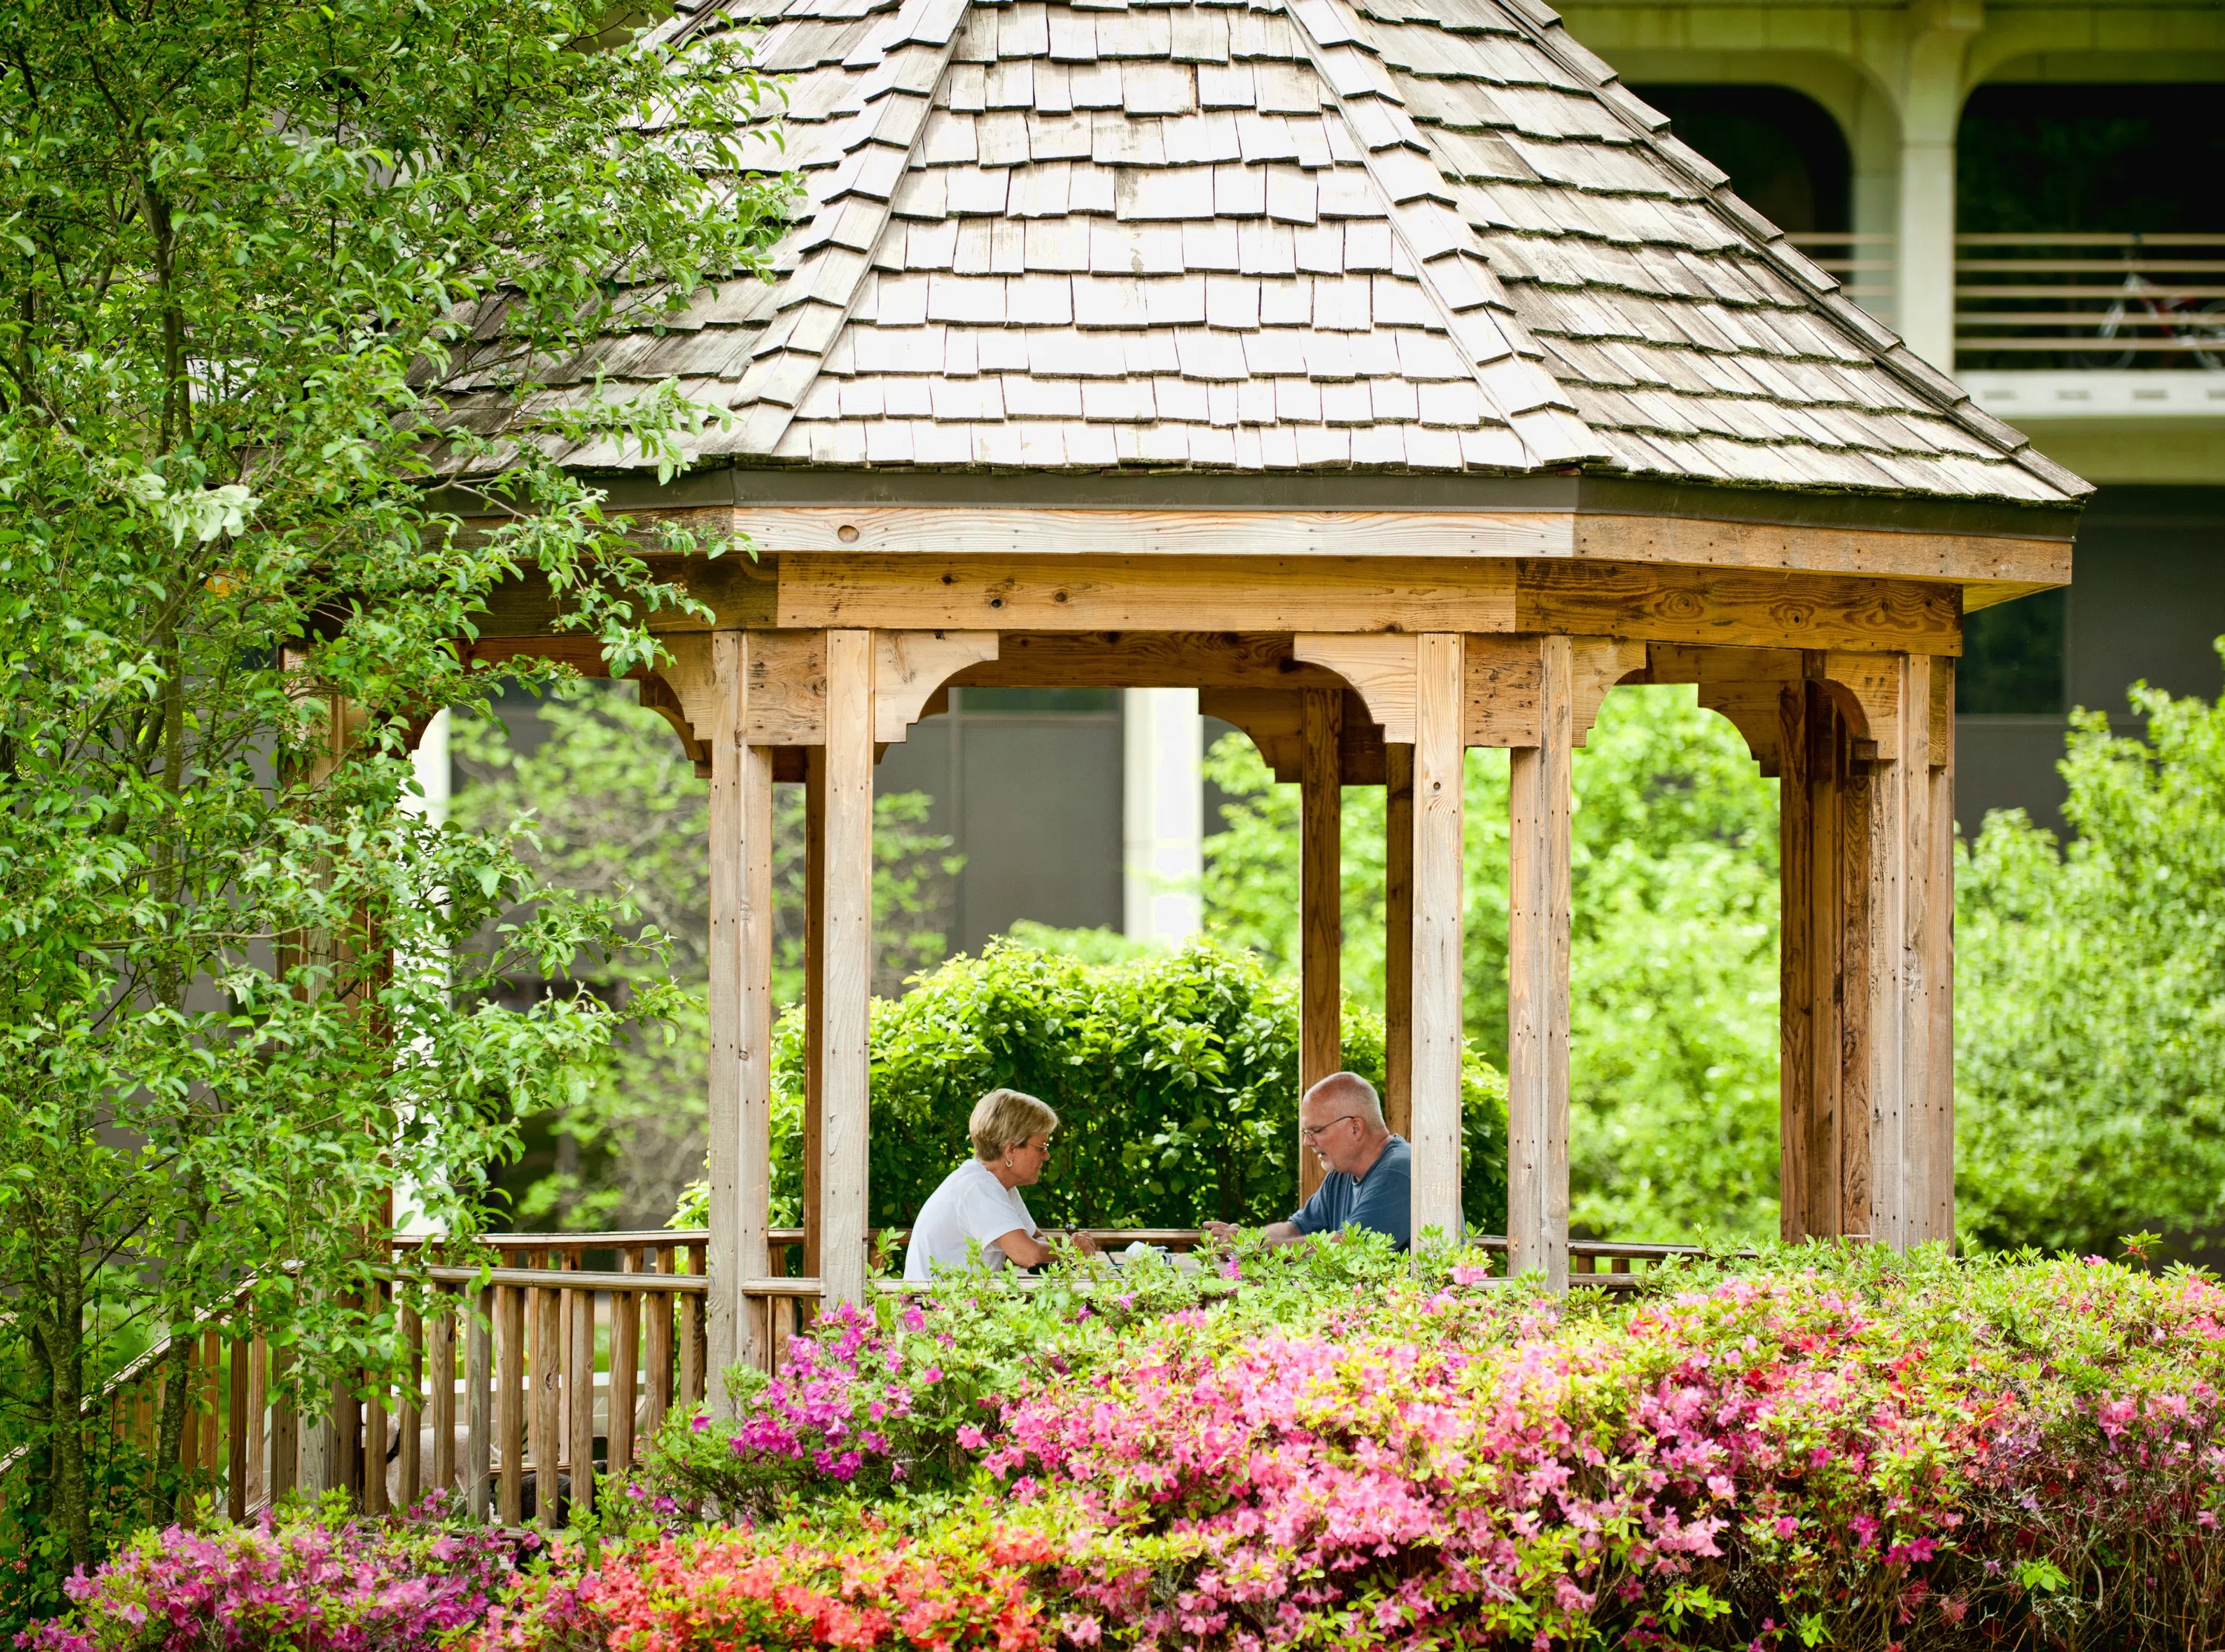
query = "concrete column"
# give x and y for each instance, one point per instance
(1932, 111)
(1162, 810)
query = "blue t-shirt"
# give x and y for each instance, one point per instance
(1382, 1200)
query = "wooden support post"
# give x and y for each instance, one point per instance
(815, 1000)
(1440, 750)
(239, 1431)
(1321, 902)
(1399, 938)
(509, 1399)
(479, 1409)
(409, 1412)
(845, 973)
(1939, 957)
(1538, 980)
(548, 1401)
(740, 1012)
(1799, 1095)
(285, 1428)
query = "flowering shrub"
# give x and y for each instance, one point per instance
(966, 1581)
(1841, 1448)
(312, 1581)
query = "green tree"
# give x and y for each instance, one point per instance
(2089, 1016)
(244, 988)
(611, 807)
(1673, 1029)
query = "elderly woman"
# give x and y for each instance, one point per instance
(979, 1202)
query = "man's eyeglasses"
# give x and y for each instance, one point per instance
(1312, 1133)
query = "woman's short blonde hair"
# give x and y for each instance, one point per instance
(1004, 1118)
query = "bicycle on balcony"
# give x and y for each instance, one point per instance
(2159, 316)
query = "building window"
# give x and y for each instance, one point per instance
(2011, 661)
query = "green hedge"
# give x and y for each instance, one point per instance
(1175, 1074)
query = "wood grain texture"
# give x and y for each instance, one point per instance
(1597, 663)
(1910, 1143)
(1796, 1010)
(579, 1399)
(786, 689)
(1272, 719)
(815, 1004)
(481, 1409)
(1736, 607)
(910, 665)
(1321, 902)
(739, 590)
(1500, 693)
(756, 922)
(510, 1400)
(1939, 962)
(440, 1390)
(723, 1006)
(846, 974)
(1380, 668)
(547, 1421)
(625, 1372)
(1094, 593)
(1860, 900)
(1398, 938)
(408, 1416)
(1827, 1133)
(1439, 758)
(1868, 687)
(1145, 659)
(918, 530)
(1703, 542)
(1538, 938)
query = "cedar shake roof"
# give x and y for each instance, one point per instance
(1274, 235)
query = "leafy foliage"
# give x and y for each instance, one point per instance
(2090, 1056)
(245, 988)
(1174, 1074)
(611, 809)
(1673, 1045)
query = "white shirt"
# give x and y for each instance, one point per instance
(971, 1204)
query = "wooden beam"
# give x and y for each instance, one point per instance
(739, 590)
(1398, 938)
(1439, 759)
(1737, 607)
(1500, 691)
(1145, 659)
(845, 977)
(972, 530)
(1537, 980)
(1094, 593)
(1701, 541)
(1321, 903)
(740, 1005)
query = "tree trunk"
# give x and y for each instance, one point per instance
(177, 1392)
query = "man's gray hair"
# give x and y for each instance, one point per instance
(1351, 1087)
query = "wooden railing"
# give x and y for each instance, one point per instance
(2091, 300)
(528, 1383)
(2063, 301)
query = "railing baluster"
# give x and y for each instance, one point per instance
(478, 1404)
(440, 1375)
(693, 1344)
(625, 1360)
(660, 1346)
(239, 1436)
(285, 1428)
(579, 1397)
(548, 1397)
(259, 1415)
(374, 1409)
(509, 1401)
(410, 1409)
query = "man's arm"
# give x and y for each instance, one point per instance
(1275, 1233)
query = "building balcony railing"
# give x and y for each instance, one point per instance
(2060, 301)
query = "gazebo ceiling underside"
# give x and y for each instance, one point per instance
(1275, 237)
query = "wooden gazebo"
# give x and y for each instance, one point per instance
(1390, 374)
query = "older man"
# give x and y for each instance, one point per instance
(1371, 1171)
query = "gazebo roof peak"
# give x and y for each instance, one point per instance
(1427, 236)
